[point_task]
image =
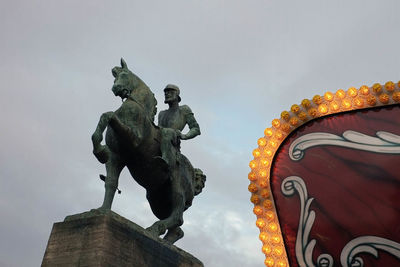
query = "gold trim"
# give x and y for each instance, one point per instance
(259, 176)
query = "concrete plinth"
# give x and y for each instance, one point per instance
(96, 239)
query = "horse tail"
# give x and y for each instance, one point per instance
(199, 181)
(152, 105)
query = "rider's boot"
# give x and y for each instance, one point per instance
(168, 151)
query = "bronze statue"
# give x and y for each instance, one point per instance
(133, 140)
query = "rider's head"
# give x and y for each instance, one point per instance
(171, 93)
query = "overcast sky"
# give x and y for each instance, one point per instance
(238, 64)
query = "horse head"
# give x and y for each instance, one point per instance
(125, 81)
(127, 84)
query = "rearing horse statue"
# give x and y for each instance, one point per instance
(133, 140)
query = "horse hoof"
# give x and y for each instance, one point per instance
(156, 229)
(174, 235)
(101, 210)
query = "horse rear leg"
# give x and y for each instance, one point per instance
(175, 219)
(173, 222)
(174, 234)
(113, 167)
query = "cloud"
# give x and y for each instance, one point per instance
(219, 236)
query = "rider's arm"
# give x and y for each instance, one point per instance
(194, 128)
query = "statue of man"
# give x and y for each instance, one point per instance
(172, 121)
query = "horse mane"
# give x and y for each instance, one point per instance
(140, 92)
(145, 96)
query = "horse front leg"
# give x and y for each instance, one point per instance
(131, 136)
(114, 167)
(101, 151)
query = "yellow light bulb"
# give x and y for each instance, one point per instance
(384, 98)
(317, 99)
(256, 153)
(276, 239)
(266, 249)
(295, 108)
(264, 162)
(278, 251)
(268, 132)
(389, 86)
(323, 109)
(262, 141)
(257, 210)
(364, 90)
(268, 205)
(328, 96)
(276, 123)
(264, 193)
(263, 173)
(302, 116)
(273, 143)
(285, 115)
(268, 153)
(263, 183)
(255, 199)
(253, 164)
(263, 236)
(269, 262)
(396, 96)
(260, 223)
(306, 103)
(340, 94)
(359, 102)
(281, 263)
(272, 227)
(253, 188)
(252, 176)
(377, 88)
(269, 215)
(294, 121)
(334, 106)
(279, 135)
(352, 92)
(285, 127)
(371, 100)
(313, 112)
(346, 103)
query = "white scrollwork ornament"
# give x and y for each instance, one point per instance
(367, 244)
(384, 142)
(304, 248)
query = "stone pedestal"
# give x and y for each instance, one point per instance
(96, 239)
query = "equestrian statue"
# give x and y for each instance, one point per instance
(150, 152)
